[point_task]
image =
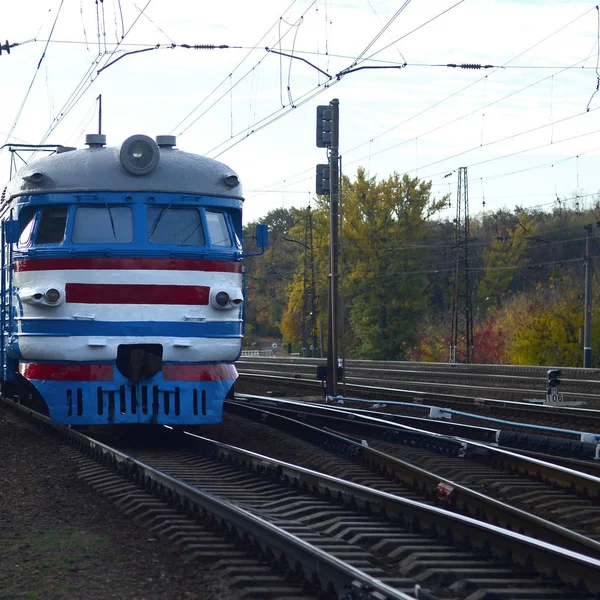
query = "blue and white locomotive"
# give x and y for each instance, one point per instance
(122, 289)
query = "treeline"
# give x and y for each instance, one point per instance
(397, 271)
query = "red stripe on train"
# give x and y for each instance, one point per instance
(58, 372)
(199, 372)
(158, 264)
(104, 293)
(87, 372)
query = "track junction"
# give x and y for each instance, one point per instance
(302, 500)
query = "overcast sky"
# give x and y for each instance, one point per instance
(421, 119)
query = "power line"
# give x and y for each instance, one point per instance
(404, 63)
(85, 83)
(452, 95)
(548, 164)
(381, 32)
(37, 69)
(405, 273)
(231, 73)
(487, 160)
(415, 29)
(274, 116)
(447, 123)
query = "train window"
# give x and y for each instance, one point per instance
(53, 222)
(103, 225)
(217, 229)
(180, 226)
(25, 236)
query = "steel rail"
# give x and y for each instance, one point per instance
(465, 371)
(534, 394)
(347, 581)
(430, 366)
(560, 475)
(418, 396)
(395, 507)
(451, 412)
(372, 377)
(502, 437)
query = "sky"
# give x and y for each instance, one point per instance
(528, 129)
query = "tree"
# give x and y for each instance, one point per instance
(503, 260)
(268, 275)
(383, 226)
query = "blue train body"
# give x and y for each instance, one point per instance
(122, 291)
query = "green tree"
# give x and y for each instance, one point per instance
(503, 260)
(383, 227)
(267, 276)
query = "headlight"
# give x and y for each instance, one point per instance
(226, 299)
(52, 296)
(222, 298)
(139, 154)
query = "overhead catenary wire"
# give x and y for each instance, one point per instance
(85, 83)
(597, 61)
(22, 106)
(452, 95)
(404, 63)
(447, 123)
(380, 33)
(226, 78)
(276, 115)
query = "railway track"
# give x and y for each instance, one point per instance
(503, 382)
(477, 475)
(262, 560)
(563, 444)
(331, 537)
(283, 380)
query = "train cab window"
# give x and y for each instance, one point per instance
(173, 225)
(25, 236)
(53, 222)
(217, 229)
(103, 225)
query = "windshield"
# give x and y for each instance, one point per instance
(96, 225)
(217, 229)
(181, 226)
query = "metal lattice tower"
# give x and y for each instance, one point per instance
(461, 343)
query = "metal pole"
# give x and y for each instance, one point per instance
(332, 347)
(321, 338)
(342, 312)
(305, 323)
(587, 335)
(313, 305)
(99, 98)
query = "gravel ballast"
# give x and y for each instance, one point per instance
(59, 541)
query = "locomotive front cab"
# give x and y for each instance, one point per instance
(126, 285)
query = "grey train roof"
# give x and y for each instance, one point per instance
(99, 169)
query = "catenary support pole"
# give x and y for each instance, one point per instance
(332, 347)
(587, 334)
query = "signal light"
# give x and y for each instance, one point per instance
(553, 378)
(323, 180)
(324, 124)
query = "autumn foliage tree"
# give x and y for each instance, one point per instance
(383, 225)
(397, 270)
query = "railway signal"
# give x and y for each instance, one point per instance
(553, 396)
(323, 180)
(324, 126)
(328, 120)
